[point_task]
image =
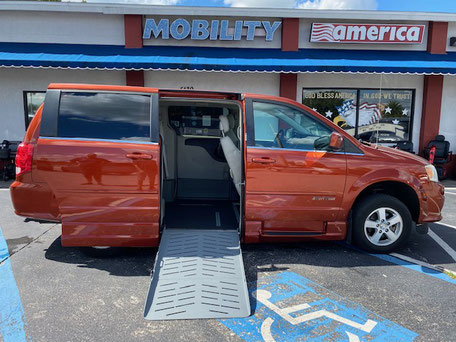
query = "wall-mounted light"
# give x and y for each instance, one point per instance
(453, 41)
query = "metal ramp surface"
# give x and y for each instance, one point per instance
(198, 273)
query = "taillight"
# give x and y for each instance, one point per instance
(24, 158)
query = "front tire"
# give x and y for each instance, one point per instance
(381, 223)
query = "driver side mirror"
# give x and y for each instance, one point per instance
(336, 141)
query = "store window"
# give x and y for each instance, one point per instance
(337, 105)
(370, 114)
(32, 101)
(104, 116)
(385, 116)
(281, 126)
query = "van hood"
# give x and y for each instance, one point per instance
(396, 153)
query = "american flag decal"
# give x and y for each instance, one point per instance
(322, 33)
(369, 113)
(372, 111)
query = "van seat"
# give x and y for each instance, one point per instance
(231, 152)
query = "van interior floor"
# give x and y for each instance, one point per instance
(202, 214)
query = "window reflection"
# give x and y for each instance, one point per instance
(370, 114)
(286, 127)
(105, 116)
(33, 100)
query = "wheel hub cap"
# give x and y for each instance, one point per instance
(383, 226)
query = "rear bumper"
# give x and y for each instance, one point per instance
(34, 200)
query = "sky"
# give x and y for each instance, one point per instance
(382, 5)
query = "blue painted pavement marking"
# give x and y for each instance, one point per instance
(289, 307)
(414, 267)
(400, 262)
(11, 312)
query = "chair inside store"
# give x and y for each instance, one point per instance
(8, 151)
(441, 155)
(406, 146)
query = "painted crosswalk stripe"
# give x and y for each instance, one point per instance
(12, 319)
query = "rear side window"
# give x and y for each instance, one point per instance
(104, 116)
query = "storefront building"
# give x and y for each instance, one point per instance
(382, 76)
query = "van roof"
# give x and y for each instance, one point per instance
(163, 92)
(77, 86)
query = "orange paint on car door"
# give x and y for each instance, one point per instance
(103, 167)
(291, 190)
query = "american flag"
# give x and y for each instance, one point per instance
(323, 33)
(346, 106)
(368, 113)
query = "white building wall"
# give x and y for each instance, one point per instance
(261, 83)
(448, 112)
(369, 81)
(63, 28)
(15, 81)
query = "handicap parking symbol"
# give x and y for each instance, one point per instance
(289, 307)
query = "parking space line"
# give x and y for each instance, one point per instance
(422, 263)
(451, 252)
(445, 224)
(432, 271)
(11, 311)
(415, 267)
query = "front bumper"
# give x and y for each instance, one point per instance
(432, 200)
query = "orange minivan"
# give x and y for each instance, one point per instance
(117, 165)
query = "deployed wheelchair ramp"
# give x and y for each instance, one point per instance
(198, 273)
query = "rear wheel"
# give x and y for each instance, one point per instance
(381, 223)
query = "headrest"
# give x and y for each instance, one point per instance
(440, 138)
(224, 123)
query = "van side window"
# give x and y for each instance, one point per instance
(104, 116)
(280, 126)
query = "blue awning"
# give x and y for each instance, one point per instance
(223, 59)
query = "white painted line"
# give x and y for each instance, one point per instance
(451, 252)
(3, 189)
(415, 261)
(266, 330)
(217, 219)
(450, 193)
(421, 263)
(445, 224)
(450, 188)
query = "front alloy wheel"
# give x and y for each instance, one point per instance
(381, 223)
(383, 226)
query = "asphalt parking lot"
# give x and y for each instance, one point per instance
(304, 292)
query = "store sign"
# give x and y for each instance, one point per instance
(204, 29)
(366, 33)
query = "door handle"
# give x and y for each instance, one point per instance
(263, 160)
(139, 156)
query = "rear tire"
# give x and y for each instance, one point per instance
(381, 223)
